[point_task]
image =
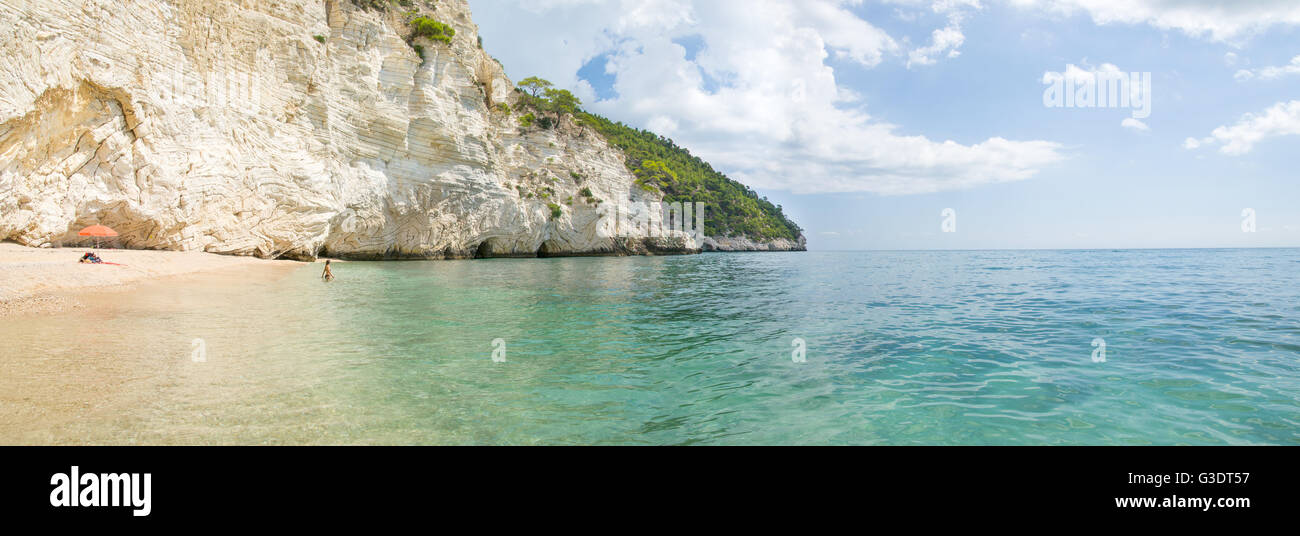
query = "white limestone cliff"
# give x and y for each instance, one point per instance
(740, 243)
(287, 128)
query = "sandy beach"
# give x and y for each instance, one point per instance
(36, 280)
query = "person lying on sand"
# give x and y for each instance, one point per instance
(327, 275)
(91, 257)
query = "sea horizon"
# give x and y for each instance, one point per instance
(1030, 249)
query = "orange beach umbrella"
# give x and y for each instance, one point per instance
(97, 231)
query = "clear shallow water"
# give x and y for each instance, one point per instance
(1202, 347)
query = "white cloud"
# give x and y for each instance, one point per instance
(1281, 119)
(849, 36)
(758, 100)
(1081, 75)
(1271, 72)
(1134, 124)
(945, 41)
(1219, 20)
(662, 125)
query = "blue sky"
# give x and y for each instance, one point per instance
(865, 120)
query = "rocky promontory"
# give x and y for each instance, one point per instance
(296, 128)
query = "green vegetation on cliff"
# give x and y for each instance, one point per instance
(431, 29)
(731, 208)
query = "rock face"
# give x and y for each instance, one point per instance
(740, 243)
(289, 128)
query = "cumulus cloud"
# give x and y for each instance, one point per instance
(1271, 72)
(755, 94)
(1281, 119)
(945, 41)
(849, 36)
(1218, 20)
(1134, 124)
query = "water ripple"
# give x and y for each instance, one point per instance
(1202, 347)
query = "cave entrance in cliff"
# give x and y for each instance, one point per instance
(549, 249)
(484, 250)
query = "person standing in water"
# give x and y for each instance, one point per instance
(327, 275)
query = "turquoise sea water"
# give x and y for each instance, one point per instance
(990, 347)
